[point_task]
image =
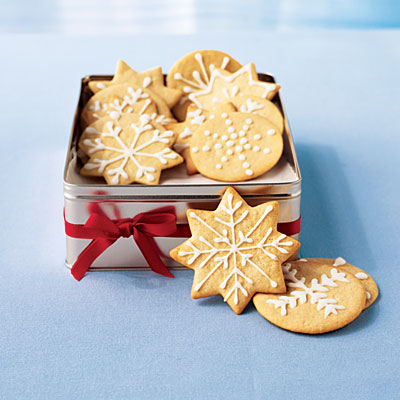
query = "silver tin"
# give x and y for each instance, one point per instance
(282, 183)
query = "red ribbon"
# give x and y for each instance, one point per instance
(143, 227)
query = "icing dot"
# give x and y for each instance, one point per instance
(231, 129)
(195, 149)
(224, 138)
(247, 146)
(267, 150)
(224, 115)
(207, 133)
(245, 127)
(249, 121)
(239, 149)
(249, 172)
(256, 148)
(368, 295)
(218, 145)
(243, 140)
(246, 165)
(215, 136)
(229, 152)
(218, 166)
(271, 132)
(233, 136)
(230, 143)
(242, 157)
(114, 114)
(257, 136)
(206, 148)
(361, 275)
(228, 122)
(224, 159)
(242, 133)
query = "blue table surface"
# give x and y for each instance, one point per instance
(125, 335)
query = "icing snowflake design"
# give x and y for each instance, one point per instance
(233, 250)
(124, 152)
(235, 144)
(251, 106)
(116, 108)
(316, 291)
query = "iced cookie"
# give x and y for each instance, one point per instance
(235, 147)
(124, 99)
(192, 73)
(194, 119)
(152, 79)
(259, 106)
(320, 298)
(224, 85)
(369, 284)
(235, 251)
(130, 149)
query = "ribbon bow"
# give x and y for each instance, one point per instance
(105, 231)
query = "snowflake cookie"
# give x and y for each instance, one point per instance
(130, 149)
(235, 147)
(235, 251)
(320, 298)
(152, 79)
(117, 100)
(223, 86)
(192, 73)
(195, 118)
(371, 288)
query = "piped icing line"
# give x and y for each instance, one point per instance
(229, 78)
(315, 291)
(234, 245)
(251, 106)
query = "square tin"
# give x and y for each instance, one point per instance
(282, 183)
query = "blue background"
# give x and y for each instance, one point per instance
(125, 335)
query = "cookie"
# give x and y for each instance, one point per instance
(223, 86)
(152, 79)
(369, 284)
(235, 147)
(320, 298)
(125, 98)
(235, 251)
(130, 149)
(194, 119)
(259, 106)
(192, 73)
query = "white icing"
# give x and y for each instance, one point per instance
(195, 149)
(256, 148)
(361, 275)
(224, 159)
(245, 127)
(267, 150)
(186, 133)
(339, 261)
(249, 121)
(239, 149)
(218, 166)
(316, 291)
(257, 136)
(249, 172)
(228, 122)
(196, 117)
(247, 146)
(230, 143)
(303, 259)
(242, 157)
(231, 248)
(101, 85)
(206, 148)
(368, 294)
(271, 132)
(243, 140)
(234, 136)
(229, 152)
(147, 82)
(224, 115)
(125, 153)
(224, 138)
(207, 133)
(231, 129)
(218, 145)
(251, 106)
(215, 136)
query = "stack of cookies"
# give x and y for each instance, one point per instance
(213, 114)
(237, 252)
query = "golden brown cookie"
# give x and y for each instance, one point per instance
(152, 79)
(194, 119)
(259, 106)
(369, 284)
(121, 99)
(192, 73)
(224, 85)
(235, 250)
(130, 149)
(320, 298)
(235, 147)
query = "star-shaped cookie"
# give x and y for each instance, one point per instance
(152, 79)
(224, 85)
(235, 251)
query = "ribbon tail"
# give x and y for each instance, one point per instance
(149, 248)
(87, 257)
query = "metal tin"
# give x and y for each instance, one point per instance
(282, 183)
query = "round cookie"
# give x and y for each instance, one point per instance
(120, 99)
(259, 106)
(235, 147)
(369, 284)
(192, 73)
(319, 298)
